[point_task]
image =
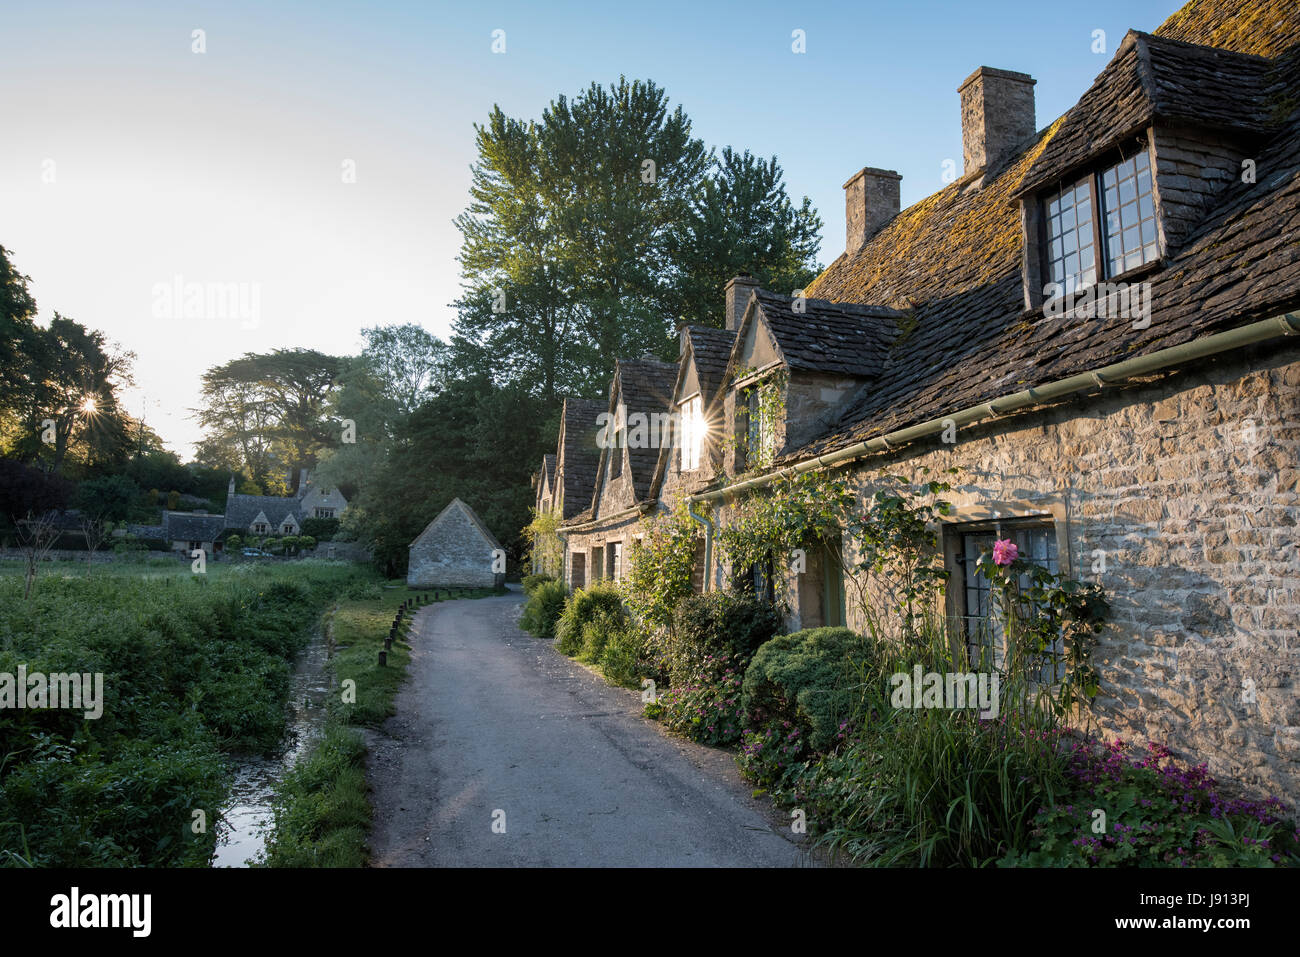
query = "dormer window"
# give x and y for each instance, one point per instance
(1100, 226)
(692, 426)
(619, 440)
(759, 434)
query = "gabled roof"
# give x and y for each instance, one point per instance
(1266, 29)
(457, 506)
(242, 510)
(955, 259)
(709, 348)
(1152, 78)
(835, 338)
(182, 526)
(578, 456)
(644, 386)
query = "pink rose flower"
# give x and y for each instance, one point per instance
(1005, 551)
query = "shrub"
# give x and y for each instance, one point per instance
(626, 660)
(810, 679)
(1158, 814)
(530, 582)
(584, 606)
(705, 704)
(543, 609)
(597, 632)
(321, 529)
(716, 623)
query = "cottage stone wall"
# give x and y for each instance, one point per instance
(584, 542)
(813, 403)
(452, 554)
(1192, 169)
(1187, 486)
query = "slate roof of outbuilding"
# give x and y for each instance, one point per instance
(952, 261)
(458, 504)
(580, 456)
(183, 526)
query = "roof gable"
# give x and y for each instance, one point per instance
(953, 263)
(577, 455)
(1153, 78)
(457, 508)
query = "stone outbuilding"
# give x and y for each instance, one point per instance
(456, 550)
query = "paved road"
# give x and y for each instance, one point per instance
(493, 720)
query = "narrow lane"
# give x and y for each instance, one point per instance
(497, 728)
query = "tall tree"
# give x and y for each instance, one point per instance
(412, 363)
(265, 413)
(741, 221)
(595, 230)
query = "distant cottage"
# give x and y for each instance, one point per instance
(275, 515)
(249, 516)
(456, 550)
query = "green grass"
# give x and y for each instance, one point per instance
(195, 669)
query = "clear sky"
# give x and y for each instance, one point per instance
(128, 160)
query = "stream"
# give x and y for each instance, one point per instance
(246, 815)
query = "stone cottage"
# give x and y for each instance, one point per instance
(276, 516)
(576, 463)
(188, 531)
(630, 430)
(1098, 325)
(456, 550)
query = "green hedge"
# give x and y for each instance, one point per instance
(531, 582)
(543, 608)
(585, 606)
(717, 623)
(811, 678)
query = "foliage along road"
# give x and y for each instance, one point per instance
(505, 753)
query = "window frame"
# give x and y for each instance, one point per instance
(1094, 174)
(997, 528)
(693, 434)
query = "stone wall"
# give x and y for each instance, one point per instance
(1186, 487)
(454, 554)
(1192, 169)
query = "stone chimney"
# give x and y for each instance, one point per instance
(870, 201)
(231, 488)
(302, 482)
(997, 116)
(738, 290)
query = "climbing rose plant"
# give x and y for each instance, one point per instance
(663, 561)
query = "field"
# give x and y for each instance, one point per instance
(195, 669)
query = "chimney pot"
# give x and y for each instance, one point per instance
(997, 116)
(737, 292)
(870, 201)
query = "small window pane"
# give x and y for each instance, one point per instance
(1069, 230)
(1129, 210)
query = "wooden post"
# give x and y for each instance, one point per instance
(383, 659)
